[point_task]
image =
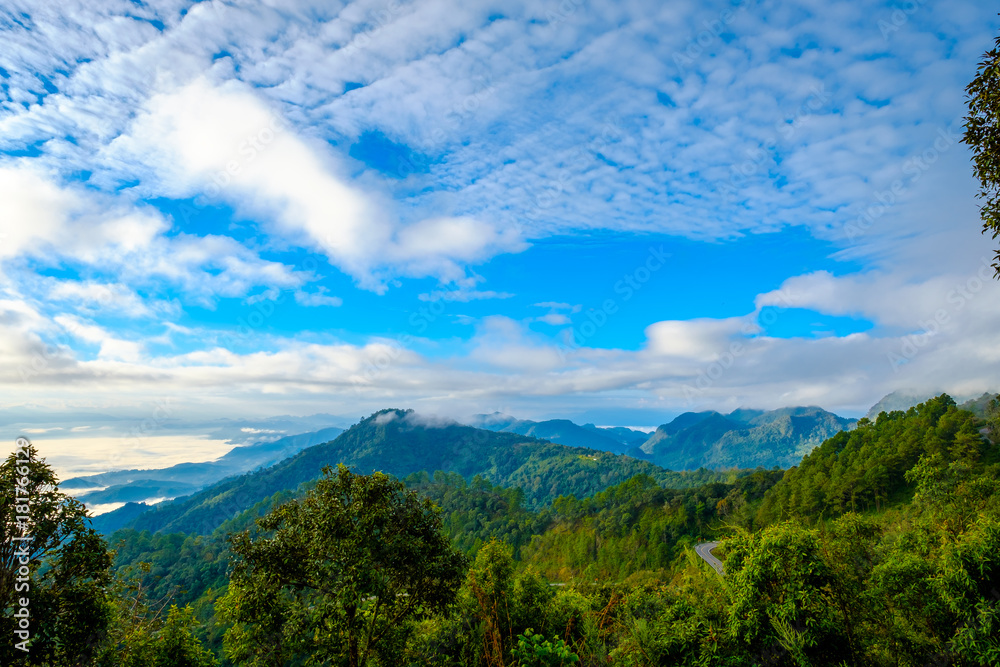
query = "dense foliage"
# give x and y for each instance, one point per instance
(862, 469)
(982, 134)
(639, 526)
(338, 574)
(880, 548)
(475, 512)
(63, 606)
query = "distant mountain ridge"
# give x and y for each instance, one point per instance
(525, 453)
(564, 432)
(903, 400)
(743, 438)
(185, 478)
(400, 442)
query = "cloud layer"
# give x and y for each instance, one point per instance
(393, 145)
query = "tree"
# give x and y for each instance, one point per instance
(982, 133)
(176, 646)
(54, 568)
(338, 574)
(782, 596)
(490, 583)
(142, 635)
(993, 420)
(534, 650)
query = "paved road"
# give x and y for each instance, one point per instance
(705, 551)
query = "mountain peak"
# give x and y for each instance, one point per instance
(901, 399)
(744, 438)
(399, 442)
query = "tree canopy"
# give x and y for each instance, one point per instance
(982, 134)
(337, 575)
(53, 565)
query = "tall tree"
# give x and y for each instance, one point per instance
(982, 133)
(337, 575)
(54, 569)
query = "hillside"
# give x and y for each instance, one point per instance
(741, 439)
(400, 443)
(907, 579)
(626, 436)
(867, 467)
(899, 401)
(903, 400)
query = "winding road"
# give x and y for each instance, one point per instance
(704, 550)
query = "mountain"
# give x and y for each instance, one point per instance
(899, 400)
(979, 406)
(111, 521)
(400, 442)
(915, 552)
(742, 439)
(184, 478)
(866, 467)
(626, 436)
(688, 436)
(496, 421)
(681, 422)
(139, 490)
(564, 432)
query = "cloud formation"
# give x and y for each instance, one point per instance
(347, 153)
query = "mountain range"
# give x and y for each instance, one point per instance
(617, 439)
(742, 439)
(400, 442)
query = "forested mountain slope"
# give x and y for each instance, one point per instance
(872, 464)
(741, 439)
(400, 443)
(907, 578)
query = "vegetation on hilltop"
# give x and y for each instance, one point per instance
(864, 468)
(878, 549)
(397, 442)
(741, 439)
(339, 574)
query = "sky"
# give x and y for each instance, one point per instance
(612, 212)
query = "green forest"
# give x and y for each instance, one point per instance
(879, 548)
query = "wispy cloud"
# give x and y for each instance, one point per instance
(502, 127)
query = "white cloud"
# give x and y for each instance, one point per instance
(42, 218)
(531, 127)
(702, 364)
(111, 347)
(107, 297)
(888, 299)
(317, 298)
(385, 418)
(56, 223)
(555, 319)
(463, 294)
(700, 339)
(223, 141)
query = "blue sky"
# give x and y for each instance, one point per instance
(607, 211)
